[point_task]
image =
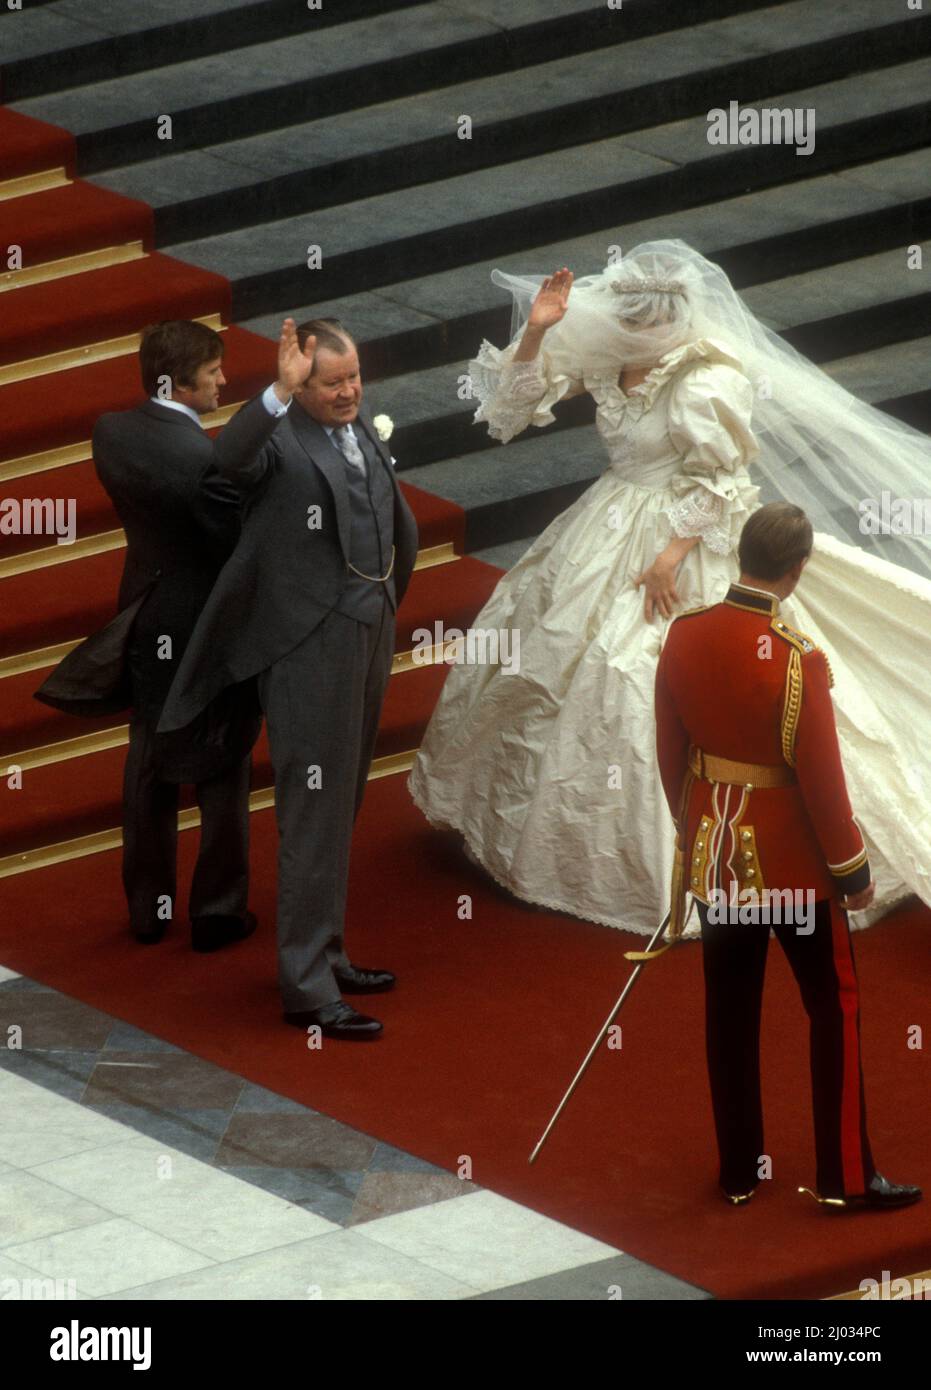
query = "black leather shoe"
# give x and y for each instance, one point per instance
(881, 1194)
(151, 937)
(338, 1020)
(356, 980)
(211, 933)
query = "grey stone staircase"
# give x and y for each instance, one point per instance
(338, 129)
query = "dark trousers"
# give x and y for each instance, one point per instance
(150, 838)
(734, 963)
(322, 704)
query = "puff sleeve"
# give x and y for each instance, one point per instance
(709, 425)
(513, 395)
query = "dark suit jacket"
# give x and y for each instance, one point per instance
(285, 575)
(163, 474)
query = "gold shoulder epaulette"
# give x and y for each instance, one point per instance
(801, 642)
(798, 639)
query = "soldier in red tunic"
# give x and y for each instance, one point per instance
(751, 767)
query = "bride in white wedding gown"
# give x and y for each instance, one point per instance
(549, 771)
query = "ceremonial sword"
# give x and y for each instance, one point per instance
(596, 1044)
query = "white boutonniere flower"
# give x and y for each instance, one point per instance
(384, 426)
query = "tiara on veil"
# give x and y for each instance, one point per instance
(648, 285)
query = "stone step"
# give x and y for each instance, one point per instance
(425, 320)
(374, 241)
(325, 70)
(512, 492)
(398, 144)
(68, 43)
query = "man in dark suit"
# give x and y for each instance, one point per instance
(160, 469)
(751, 766)
(307, 605)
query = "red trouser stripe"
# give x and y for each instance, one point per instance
(850, 1116)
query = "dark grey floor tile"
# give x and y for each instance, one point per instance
(154, 1079)
(386, 1194)
(330, 1195)
(301, 1141)
(123, 1037)
(65, 1073)
(617, 1278)
(197, 1133)
(257, 1100)
(53, 1021)
(388, 1159)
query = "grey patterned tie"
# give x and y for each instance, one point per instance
(349, 448)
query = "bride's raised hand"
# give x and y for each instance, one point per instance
(552, 300)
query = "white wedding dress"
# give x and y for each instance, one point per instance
(550, 771)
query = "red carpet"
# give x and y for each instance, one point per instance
(492, 1014)
(73, 218)
(487, 1026)
(31, 146)
(113, 303)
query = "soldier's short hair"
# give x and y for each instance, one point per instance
(329, 333)
(175, 349)
(774, 540)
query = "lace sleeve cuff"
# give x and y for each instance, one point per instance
(511, 395)
(701, 513)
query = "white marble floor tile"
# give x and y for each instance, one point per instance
(107, 1257)
(486, 1241)
(30, 1208)
(338, 1267)
(37, 1125)
(207, 1210)
(19, 1282)
(6, 974)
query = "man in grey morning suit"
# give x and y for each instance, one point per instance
(306, 604)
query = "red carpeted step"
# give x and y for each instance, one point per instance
(27, 723)
(490, 1018)
(104, 304)
(452, 593)
(437, 519)
(50, 412)
(78, 796)
(66, 601)
(31, 147)
(66, 221)
(58, 603)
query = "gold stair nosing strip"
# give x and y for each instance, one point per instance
(66, 454)
(101, 840)
(88, 546)
(98, 741)
(40, 182)
(102, 740)
(64, 361)
(82, 549)
(44, 658)
(100, 259)
(37, 660)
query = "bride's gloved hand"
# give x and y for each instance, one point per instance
(549, 306)
(659, 582)
(659, 579)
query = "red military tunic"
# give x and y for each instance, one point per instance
(751, 767)
(735, 682)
